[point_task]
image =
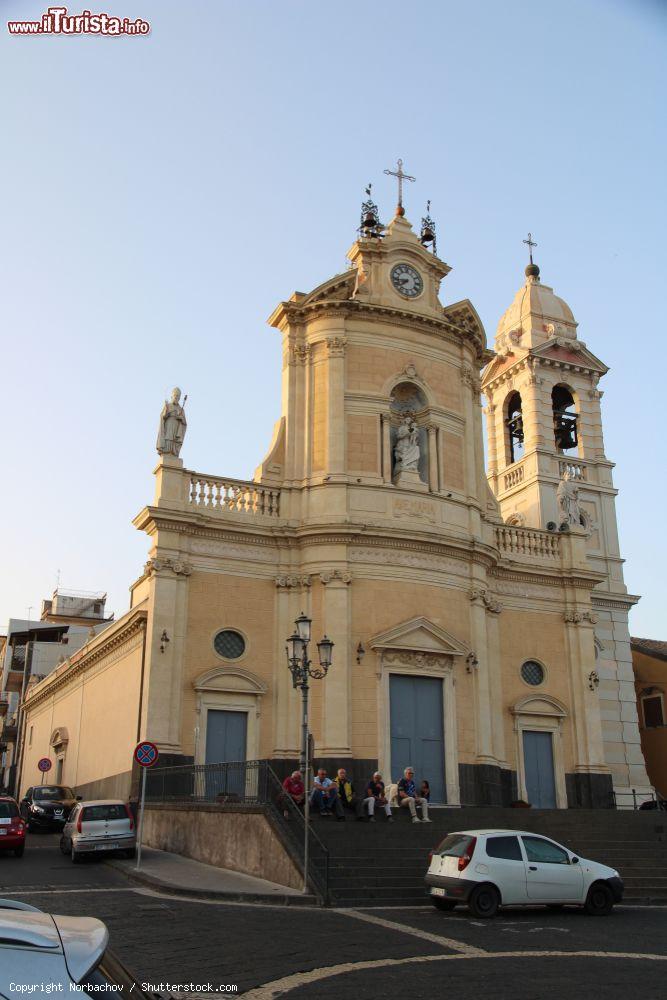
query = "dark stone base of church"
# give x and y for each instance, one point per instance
(486, 785)
(171, 783)
(589, 791)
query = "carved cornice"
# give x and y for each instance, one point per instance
(167, 565)
(336, 346)
(436, 662)
(335, 575)
(293, 582)
(484, 596)
(573, 617)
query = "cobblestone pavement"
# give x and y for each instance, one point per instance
(523, 954)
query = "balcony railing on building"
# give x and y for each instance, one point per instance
(529, 542)
(221, 495)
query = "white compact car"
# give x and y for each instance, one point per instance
(487, 869)
(70, 955)
(104, 825)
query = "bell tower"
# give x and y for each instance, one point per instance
(548, 469)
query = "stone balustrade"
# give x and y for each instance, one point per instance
(576, 470)
(233, 496)
(513, 477)
(529, 542)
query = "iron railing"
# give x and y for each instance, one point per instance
(245, 783)
(632, 799)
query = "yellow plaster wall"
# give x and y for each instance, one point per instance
(532, 635)
(320, 402)
(217, 601)
(363, 435)
(99, 709)
(369, 367)
(452, 460)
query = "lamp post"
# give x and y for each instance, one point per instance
(302, 669)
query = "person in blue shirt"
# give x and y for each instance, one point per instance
(324, 796)
(407, 796)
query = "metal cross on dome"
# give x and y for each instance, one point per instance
(401, 177)
(530, 243)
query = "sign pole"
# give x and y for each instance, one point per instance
(140, 818)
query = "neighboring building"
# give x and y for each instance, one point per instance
(31, 650)
(649, 659)
(480, 633)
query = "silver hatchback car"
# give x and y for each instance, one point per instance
(41, 952)
(103, 825)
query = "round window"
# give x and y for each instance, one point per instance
(229, 644)
(532, 672)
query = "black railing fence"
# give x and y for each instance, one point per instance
(632, 799)
(244, 783)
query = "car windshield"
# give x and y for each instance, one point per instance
(52, 793)
(454, 845)
(8, 810)
(111, 976)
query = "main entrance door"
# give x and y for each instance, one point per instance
(226, 736)
(417, 734)
(538, 762)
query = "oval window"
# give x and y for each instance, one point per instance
(229, 644)
(532, 672)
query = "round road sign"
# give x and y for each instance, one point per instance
(44, 764)
(146, 754)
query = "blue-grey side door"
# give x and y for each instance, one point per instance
(226, 738)
(417, 733)
(538, 762)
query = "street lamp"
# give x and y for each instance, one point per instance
(302, 669)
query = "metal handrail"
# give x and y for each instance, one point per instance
(238, 783)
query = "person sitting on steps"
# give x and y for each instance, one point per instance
(324, 795)
(407, 796)
(294, 789)
(375, 797)
(347, 796)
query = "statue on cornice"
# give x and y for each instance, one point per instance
(567, 494)
(406, 450)
(173, 426)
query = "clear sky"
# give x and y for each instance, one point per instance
(162, 194)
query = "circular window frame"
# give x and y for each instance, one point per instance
(545, 673)
(239, 631)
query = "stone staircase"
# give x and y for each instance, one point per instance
(383, 864)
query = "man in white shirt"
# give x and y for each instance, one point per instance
(324, 796)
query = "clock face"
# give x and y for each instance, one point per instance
(407, 280)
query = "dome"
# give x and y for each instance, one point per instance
(536, 314)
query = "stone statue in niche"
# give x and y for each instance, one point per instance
(173, 426)
(406, 450)
(567, 494)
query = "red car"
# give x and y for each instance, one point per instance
(12, 827)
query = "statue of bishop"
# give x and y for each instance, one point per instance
(173, 426)
(567, 496)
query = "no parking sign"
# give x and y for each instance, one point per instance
(146, 755)
(44, 764)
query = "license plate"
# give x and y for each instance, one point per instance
(106, 847)
(437, 892)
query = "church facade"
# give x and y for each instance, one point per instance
(479, 616)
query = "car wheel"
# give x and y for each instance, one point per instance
(64, 849)
(76, 857)
(484, 901)
(18, 851)
(599, 901)
(443, 904)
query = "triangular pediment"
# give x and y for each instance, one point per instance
(569, 353)
(421, 636)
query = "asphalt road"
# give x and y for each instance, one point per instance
(268, 951)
